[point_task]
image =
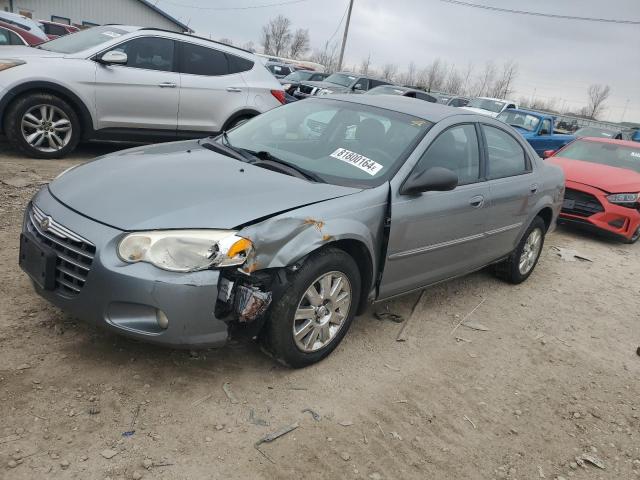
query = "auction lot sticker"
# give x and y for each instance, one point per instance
(360, 161)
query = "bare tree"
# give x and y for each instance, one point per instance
(466, 83)
(299, 43)
(389, 72)
(409, 77)
(432, 77)
(365, 64)
(276, 35)
(503, 86)
(598, 94)
(249, 46)
(226, 41)
(454, 81)
(485, 80)
(328, 57)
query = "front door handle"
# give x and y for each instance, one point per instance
(234, 89)
(167, 85)
(477, 201)
(534, 189)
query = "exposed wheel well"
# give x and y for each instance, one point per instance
(546, 214)
(239, 115)
(69, 97)
(361, 255)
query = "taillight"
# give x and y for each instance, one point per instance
(279, 94)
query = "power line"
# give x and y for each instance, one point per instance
(540, 14)
(339, 24)
(250, 7)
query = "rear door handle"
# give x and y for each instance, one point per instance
(234, 89)
(477, 201)
(167, 85)
(534, 189)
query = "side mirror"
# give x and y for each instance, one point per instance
(435, 179)
(113, 57)
(548, 153)
(358, 86)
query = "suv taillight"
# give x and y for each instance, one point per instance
(279, 94)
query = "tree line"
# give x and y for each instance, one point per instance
(489, 80)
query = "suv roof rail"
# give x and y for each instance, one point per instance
(198, 37)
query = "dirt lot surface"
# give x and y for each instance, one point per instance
(549, 373)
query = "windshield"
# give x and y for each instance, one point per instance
(611, 154)
(444, 100)
(486, 104)
(341, 79)
(520, 120)
(79, 41)
(343, 143)
(595, 132)
(298, 76)
(386, 90)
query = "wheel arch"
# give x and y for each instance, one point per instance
(361, 255)
(247, 112)
(547, 216)
(86, 119)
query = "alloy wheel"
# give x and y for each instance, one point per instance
(322, 311)
(530, 251)
(46, 128)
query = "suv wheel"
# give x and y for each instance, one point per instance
(315, 313)
(523, 260)
(42, 126)
(238, 121)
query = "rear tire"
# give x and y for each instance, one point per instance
(294, 319)
(524, 258)
(41, 125)
(238, 121)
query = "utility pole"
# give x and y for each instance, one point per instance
(344, 38)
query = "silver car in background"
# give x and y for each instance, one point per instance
(118, 82)
(290, 224)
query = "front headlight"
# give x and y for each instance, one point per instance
(624, 198)
(6, 64)
(185, 250)
(325, 91)
(286, 86)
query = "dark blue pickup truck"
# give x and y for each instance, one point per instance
(537, 129)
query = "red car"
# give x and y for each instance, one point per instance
(602, 185)
(12, 35)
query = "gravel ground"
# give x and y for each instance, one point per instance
(548, 387)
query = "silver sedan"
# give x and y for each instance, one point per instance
(287, 226)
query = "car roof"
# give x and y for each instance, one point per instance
(622, 143)
(529, 112)
(433, 112)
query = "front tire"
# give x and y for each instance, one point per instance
(524, 258)
(312, 317)
(634, 238)
(41, 125)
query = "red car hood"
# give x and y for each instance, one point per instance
(603, 177)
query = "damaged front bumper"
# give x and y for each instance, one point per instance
(180, 310)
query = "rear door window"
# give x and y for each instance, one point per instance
(506, 156)
(199, 60)
(238, 64)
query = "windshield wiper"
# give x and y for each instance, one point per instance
(223, 149)
(268, 157)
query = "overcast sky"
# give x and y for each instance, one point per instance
(558, 58)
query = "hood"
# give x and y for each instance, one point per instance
(603, 177)
(22, 52)
(164, 187)
(481, 111)
(322, 84)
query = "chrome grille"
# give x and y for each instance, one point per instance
(74, 253)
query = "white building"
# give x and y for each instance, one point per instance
(88, 13)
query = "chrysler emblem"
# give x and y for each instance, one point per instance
(45, 223)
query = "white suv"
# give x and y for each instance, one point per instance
(127, 83)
